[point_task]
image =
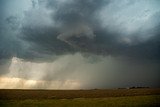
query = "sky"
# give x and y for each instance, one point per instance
(79, 44)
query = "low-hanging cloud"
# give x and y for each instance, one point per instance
(76, 71)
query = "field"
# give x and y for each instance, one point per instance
(81, 98)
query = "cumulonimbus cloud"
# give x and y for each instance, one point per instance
(49, 29)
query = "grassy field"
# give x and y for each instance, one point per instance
(80, 98)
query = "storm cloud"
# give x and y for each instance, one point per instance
(101, 42)
(75, 26)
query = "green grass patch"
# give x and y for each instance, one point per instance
(130, 101)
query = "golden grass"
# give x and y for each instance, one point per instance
(130, 101)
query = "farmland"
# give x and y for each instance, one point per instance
(80, 98)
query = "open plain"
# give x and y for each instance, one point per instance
(145, 97)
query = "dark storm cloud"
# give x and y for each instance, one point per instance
(149, 49)
(73, 19)
(124, 44)
(10, 44)
(76, 27)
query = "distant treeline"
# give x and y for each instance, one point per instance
(134, 87)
